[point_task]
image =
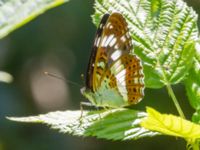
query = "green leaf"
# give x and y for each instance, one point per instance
(196, 117)
(115, 124)
(192, 84)
(15, 13)
(171, 125)
(163, 32)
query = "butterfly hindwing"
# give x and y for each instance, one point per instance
(129, 78)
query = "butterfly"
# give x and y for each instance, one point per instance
(114, 76)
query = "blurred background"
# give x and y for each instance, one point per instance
(60, 42)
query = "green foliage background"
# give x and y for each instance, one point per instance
(67, 33)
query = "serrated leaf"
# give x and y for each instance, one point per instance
(115, 124)
(163, 32)
(170, 125)
(192, 84)
(15, 13)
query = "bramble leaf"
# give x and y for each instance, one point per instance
(115, 124)
(192, 84)
(163, 32)
(170, 125)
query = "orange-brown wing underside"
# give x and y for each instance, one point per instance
(111, 45)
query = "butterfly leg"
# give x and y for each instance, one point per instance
(88, 104)
(81, 109)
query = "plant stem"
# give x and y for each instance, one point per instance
(195, 144)
(172, 95)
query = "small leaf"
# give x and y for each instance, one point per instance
(192, 84)
(196, 117)
(115, 124)
(14, 14)
(163, 32)
(170, 125)
(5, 77)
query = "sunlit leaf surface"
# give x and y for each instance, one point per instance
(115, 124)
(15, 13)
(170, 125)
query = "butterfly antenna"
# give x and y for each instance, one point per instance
(61, 78)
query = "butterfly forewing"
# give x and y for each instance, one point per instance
(111, 66)
(91, 65)
(112, 41)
